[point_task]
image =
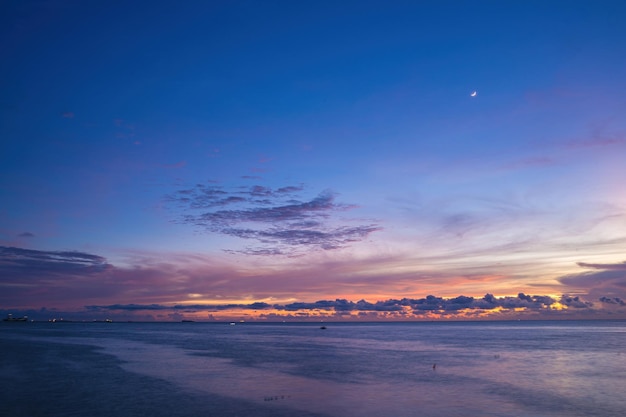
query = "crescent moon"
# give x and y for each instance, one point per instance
(473, 94)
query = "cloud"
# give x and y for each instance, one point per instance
(615, 301)
(152, 285)
(575, 302)
(258, 251)
(599, 139)
(418, 306)
(67, 115)
(605, 281)
(68, 278)
(26, 234)
(619, 266)
(276, 218)
(488, 302)
(332, 239)
(17, 260)
(185, 307)
(427, 308)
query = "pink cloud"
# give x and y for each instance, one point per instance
(157, 284)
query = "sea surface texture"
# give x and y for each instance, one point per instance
(365, 370)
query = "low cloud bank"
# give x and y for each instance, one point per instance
(150, 289)
(430, 303)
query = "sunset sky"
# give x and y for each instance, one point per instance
(292, 160)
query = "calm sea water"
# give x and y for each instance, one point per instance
(366, 370)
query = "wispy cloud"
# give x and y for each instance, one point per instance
(52, 278)
(599, 139)
(18, 260)
(26, 234)
(158, 285)
(619, 266)
(276, 218)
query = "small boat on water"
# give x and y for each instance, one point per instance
(11, 318)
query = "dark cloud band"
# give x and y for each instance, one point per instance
(18, 261)
(430, 303)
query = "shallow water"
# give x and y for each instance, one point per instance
(188, 369)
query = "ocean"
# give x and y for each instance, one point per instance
(477, 369)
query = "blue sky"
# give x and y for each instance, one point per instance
(217, 153)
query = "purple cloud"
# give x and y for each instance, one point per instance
(605, 281)
(619, 266)
(317, 207)
(420, 306)
(68, 278)
(275, 218)
(599, 140)
(614, 301)
(17, 260)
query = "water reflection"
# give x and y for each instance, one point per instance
(369, 397)
(537, 370)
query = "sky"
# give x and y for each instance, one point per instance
(313, 160)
